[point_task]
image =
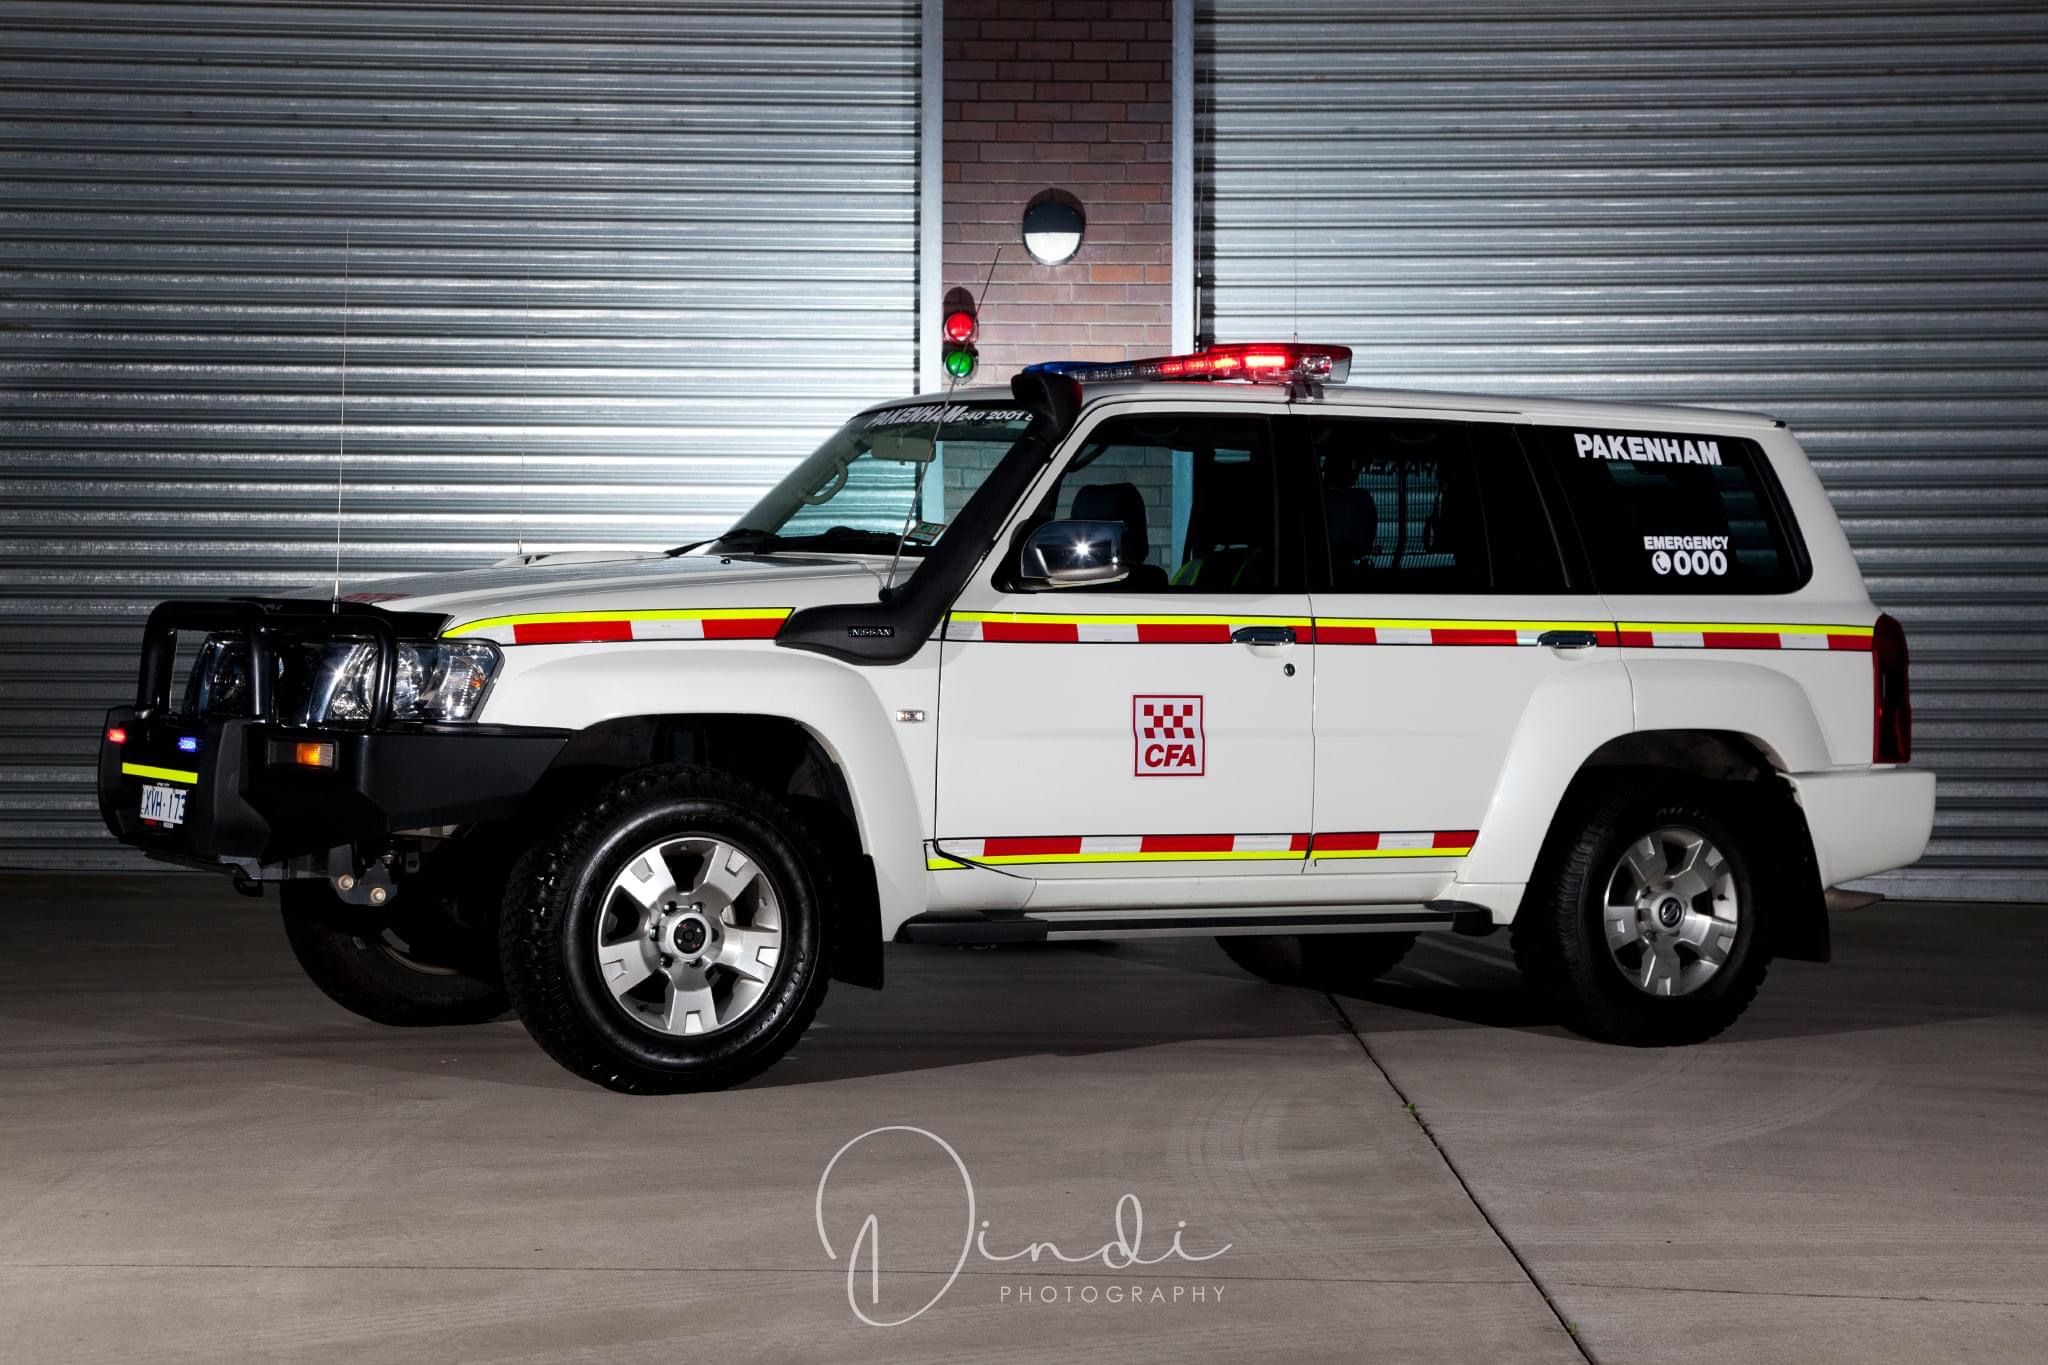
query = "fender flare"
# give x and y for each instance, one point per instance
(1741, 698)
(1568, 717)
(1572, 715)
(833, 703)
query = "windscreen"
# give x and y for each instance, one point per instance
(887, 471)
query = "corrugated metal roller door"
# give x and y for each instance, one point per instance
(610, 270)
(1837, 213)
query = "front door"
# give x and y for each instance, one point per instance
(1156, 729)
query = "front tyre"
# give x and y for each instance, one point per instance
(671, 937)
(1646, 928)
(391, 969)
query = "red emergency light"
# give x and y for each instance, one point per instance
(1260, 362)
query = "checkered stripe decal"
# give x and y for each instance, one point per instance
(1049, 628)
(1167, 720)
(589, 627)
(1187, 848)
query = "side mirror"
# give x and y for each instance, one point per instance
(1065, 554)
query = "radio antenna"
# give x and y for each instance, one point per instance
(341, 436)
(525, 429)
(938, 427)
(1294, 249)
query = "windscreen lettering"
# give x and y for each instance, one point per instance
(931, 413)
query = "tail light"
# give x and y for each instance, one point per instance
(1891, 701)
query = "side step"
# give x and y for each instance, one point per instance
(972, 926)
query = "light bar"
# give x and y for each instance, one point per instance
(1261, 362)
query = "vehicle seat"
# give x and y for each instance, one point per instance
(1123, 502)
(1229, 528)
(1354, 520)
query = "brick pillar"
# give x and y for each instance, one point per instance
(1072, 95)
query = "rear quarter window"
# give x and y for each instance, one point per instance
(1674, 512)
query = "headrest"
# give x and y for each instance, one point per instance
(1117, 502)
(1354, 519)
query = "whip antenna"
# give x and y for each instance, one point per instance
(938, 429)
(341, 437)
(525, 427)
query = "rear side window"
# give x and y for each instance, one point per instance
(1673, 512)
(1430, 507)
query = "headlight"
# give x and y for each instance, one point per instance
(444, 680)
(437, 680)
(335, 682)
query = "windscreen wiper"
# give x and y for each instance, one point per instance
(740, 538)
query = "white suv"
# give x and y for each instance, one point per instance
(1308, 668)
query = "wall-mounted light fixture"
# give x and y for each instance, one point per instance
(1053, 225)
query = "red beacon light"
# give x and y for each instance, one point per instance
(1260, 362)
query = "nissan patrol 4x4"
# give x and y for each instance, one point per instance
(1202, 645)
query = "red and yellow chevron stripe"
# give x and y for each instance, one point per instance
(1723, 635)
(950, 854)
(590, 627)
(1164, 629)
(1063, 628)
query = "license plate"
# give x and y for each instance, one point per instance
(163, 805)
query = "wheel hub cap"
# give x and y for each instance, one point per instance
(684, 933)
(689, 935)
(1671, 911)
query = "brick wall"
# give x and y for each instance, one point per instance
(1074, 95)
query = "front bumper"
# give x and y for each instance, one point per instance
(1868, 821)
(247, 802)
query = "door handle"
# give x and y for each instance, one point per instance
(1263, 635)
(1568, 639)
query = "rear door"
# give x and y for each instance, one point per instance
(1156, 730)
(1443, 604)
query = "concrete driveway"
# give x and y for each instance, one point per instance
(202, 1159)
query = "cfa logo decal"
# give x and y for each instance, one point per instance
(1166, 733)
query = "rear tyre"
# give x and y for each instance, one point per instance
(387, 968)
(1646, 926)
(1329, 962)
(672, 937)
